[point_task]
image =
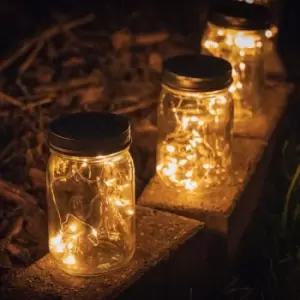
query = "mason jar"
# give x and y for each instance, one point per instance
(236, 32)
(195, 116)
(91, 193)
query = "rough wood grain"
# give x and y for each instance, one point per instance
(158, 233)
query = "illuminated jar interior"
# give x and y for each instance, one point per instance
(195, 117)
(236, 32)
(91, 193)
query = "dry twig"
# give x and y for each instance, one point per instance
(31, 57)
(151, 38)
(131, 109)
(46, 35)
(15, 194)
(37, 104)
(10, 99)
(73, 83)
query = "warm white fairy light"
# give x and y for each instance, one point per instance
(76, 240)
(190, 157)
(243, 49)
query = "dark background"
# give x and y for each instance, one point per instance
(20, 19)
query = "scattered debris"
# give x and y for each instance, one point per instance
(70, 67)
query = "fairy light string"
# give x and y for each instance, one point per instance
(84, 222)
(195, 154)
(243, 49)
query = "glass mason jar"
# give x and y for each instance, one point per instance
(236, 33)
(195, 116)
(91, 193)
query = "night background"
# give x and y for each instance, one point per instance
(267, 265)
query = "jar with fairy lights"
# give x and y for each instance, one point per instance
(91, 193)
(195, 116)
(236, 33)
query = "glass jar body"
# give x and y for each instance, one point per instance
(194, 138)
(91, 212)
(244, 50)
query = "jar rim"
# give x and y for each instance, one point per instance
(89, 134)
(94, 157)
(199, 73)
(240, 15)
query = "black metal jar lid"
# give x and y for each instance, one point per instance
(201, 73)
(89, 134)
(240, 15)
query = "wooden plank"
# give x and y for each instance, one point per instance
(158, 235)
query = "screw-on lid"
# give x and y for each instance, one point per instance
(201, 73)
(89, 134)
(240, 15)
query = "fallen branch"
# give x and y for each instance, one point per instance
(74, 83)
(10, 99)
(8, 148)
(151, 38)
(133, 108)
(28, 62)
(38, 103)
(46, 35)
(15, 229)
(15, 194)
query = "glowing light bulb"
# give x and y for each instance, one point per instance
(182, 162)
(185, 122)
(130, 212)
(211, 44)
(232, 88)
(69, 260)
(189, 174)
(73, 228)
(94, 232)
(268, 33)
(110, 182)
(171, 148)
(191, 185)
(57, 244)
(229, 40)
(121, 203)
(243, 41)
(242, 66)
(239, 85)
(207, 166)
